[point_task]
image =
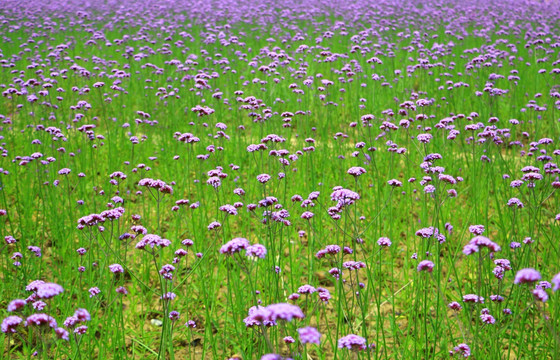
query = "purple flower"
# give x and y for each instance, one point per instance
(190, 324)
(288, 340)
(116, 268)
(540, 295)
(167, 271)
(431, 232)
(94, 291)
(425, 265)
(324, 295)
(157, 184)
(214, 225)
(39, 305)
(271, 357)
(556, 282)
(356, 171)
(424, 138)
(496, 298)
(476, 229)
(174, 315)
(515, 202)
(544, 285)
(454, 306)
(71, 321)
(16, 305)
(470, 249)
(259, 315)
(293, 296)
(383, 241)
(352, 342)
(152, 241)
(472, 298)
(335, 272)
(527, 275)
(480, 241)
(256, 250)
(187, 242)
(62, 333)
(309, 335)
(9, 239)
(121, 290)
(80, 330)
(503, 263)
(263, 178)
(344, 196)
(48, 290)
(461, 349)
(10, 324)
(33, 286)
(229, 209)
(40, 320)
(487, 319)
(353, 265)
(306, 289)
(168, 296)
(35, 249)
(428, 189)
(234, 246)
(286, 312)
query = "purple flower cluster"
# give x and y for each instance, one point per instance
(270, 315)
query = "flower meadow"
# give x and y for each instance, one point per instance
(280, 179)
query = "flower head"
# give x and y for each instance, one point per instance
(352, 342)
(48, 290)
(10, 324)
(356, 171)
(152, 241)
(425, 265)
(234, 246)
(256, 250)
(40, 320)
(461, 349)
(555, 282)
(527, 275)
(309, 335)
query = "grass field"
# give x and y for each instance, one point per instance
(280, 179)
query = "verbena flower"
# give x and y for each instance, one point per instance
(234, 246)
(10, 324)
(383, 241)
(40, 320)
(356, 171)
(256, 250)
(425, 265)
(352, 342)
(555, 282)
(309, 335)
(48, 290)
(462, 349)
(16, 305)
(152, 241)
(94, 291)
(62, 333)
(116, 268)
(527, 275)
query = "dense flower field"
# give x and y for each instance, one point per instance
(280, 179)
